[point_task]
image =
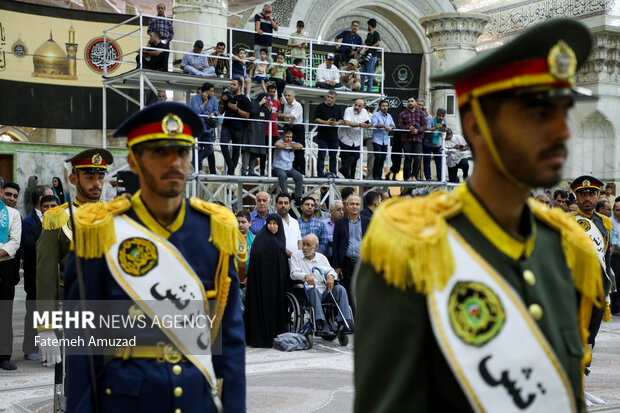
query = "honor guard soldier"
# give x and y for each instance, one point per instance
(598, 227)
(160, 242)
(88, 169)
(479, 300)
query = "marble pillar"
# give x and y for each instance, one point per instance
(453, 38)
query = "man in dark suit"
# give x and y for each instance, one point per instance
(31, 231)
(348, 233)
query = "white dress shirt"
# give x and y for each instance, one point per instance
(15, 234)
(454, 156)
(292, 234)
(294, 109)
(300, 266)
(353, 136)
(323, 74)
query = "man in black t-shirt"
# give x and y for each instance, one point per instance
(154, 59)
(328, 113)
(235, 107)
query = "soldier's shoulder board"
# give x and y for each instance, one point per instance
(581, 257)
(55, 218)
(224, 227)
(94, 227)
(407, 241)
(606, 221)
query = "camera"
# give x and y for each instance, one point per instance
(367, 57)
(229, 95)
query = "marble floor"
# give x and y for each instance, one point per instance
(316, 380)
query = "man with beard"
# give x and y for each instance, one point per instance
(88, 169)
(493, 290)
(186, 249)
(598, 227)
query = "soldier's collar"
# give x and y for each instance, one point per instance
(77, 203)
(153, 224)
(477, 214)
(584, 214)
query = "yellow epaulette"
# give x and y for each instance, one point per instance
(225, 235)
(606, 221)
(581, 259)
(94, 227)
(56, 217)
(407, 241)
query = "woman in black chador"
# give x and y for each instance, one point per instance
(265, 311)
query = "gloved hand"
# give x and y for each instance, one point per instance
(49, 352)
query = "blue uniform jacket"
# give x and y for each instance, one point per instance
(144, 385)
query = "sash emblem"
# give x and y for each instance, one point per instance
(476, 313)
(137, 256)
(585, 224)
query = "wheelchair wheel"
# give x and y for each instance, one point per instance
(293, 313)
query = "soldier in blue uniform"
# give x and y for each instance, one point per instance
(160, 378)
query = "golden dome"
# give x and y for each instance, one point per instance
(49, 58)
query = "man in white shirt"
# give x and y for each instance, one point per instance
(10, 239)
(327, 74)
(356, 117)
(313, 268)
(292, 233)
(457, 155)
(293, 113)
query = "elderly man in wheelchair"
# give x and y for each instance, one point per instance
(319, 278)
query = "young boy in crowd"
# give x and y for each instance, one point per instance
(296, 73)
(260, 70)
(277, 73)
(239, 61)
(244, 219)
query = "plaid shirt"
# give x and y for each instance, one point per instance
(317, 227)
(164, 27)
(407, 119)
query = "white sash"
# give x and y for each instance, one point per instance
(495, 349)
(157, 277)
(595, 235)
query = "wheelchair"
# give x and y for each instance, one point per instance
(301, 317)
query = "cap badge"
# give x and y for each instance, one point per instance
(172, 125)
(562, 61)
(585, 183)
(96, 159)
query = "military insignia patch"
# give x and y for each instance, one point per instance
(172, 125)
(562, 61)
(137, 256)
(585, 224)
(97, 159)
(585, 183)
(476, 313)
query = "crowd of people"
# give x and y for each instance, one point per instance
(249, 129)
(342, 68)
(317, 248)
(416, 136)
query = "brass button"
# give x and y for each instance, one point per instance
(177, 411)
(178, 391)
(176, 370)
(536, 311)
(108, 391)
(529, 277)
